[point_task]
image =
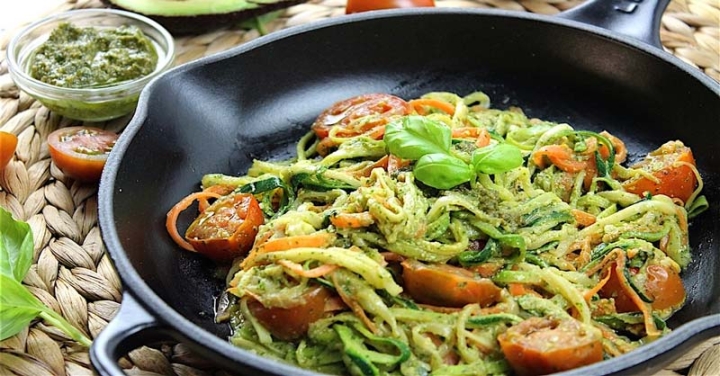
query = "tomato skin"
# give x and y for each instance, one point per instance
(8, 143)
(539, 346)
(342, 114)
(665, 287)
(81, 152)
(614, 289)
(662, 284)
(675, 181)
(291, 323)
(355, 6)
(446, 285)
(227, 228)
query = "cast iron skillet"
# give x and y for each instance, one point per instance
(217, 114)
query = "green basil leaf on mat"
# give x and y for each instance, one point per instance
(16, 246)
(18, 307)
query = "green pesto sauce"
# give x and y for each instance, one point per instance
(75, 57)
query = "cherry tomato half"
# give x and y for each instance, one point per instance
(538, 346)
(290, 323)
(81, 152)
(662, 284)
(674, 180)
(227, 228)
(8, 143)
(375, 110)
(355, 6)
(447, 285)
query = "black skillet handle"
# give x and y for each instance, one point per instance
(639, 19)
(131, 327)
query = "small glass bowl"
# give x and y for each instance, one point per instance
(92, 104)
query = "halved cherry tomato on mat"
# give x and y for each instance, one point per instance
(538, 346)
(81, 152)
(227, 228)
(292, 322)
(675, 179)
(354, 6)
(364, 114)
(8, 143)
(447, 285)
(663, 285)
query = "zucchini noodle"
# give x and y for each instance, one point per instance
(362, 267)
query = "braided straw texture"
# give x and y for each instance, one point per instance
(74, 276)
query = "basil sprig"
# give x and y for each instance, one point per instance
(429, 143)
(18, 307)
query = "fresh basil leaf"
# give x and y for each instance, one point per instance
(496, 158)
(18, 307)
(442, 171)
(16, 246)
(415, 136)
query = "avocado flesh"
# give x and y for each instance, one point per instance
(199, 16)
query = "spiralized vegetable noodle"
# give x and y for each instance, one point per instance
(440, 236)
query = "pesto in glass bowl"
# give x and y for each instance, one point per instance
(89, 64)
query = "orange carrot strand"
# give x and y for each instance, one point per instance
(419, 106)
(307, 273)
(174, 213)
(354, 306)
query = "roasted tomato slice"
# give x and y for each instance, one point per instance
(354, 6)
(292, 322)
(81, 152)
(662, 284)
(447, 285)
(358, 115)
(227, 228)
(8, 143)
(538, 346)
(673, 179)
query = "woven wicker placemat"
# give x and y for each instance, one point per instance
(73, 274)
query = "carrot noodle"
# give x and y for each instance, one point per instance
(283, 244)
(352, 220)
(222, 190)
(590, 293)
(354, 305)
(483, 139)
(307, 273)
(172, 216)
(583, 219)
(420, 104)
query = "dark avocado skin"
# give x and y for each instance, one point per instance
(199, 24)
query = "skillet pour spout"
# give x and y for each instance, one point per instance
(217, 114)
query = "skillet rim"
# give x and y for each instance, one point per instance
(636, 360)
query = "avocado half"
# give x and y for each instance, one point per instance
(198, 16)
